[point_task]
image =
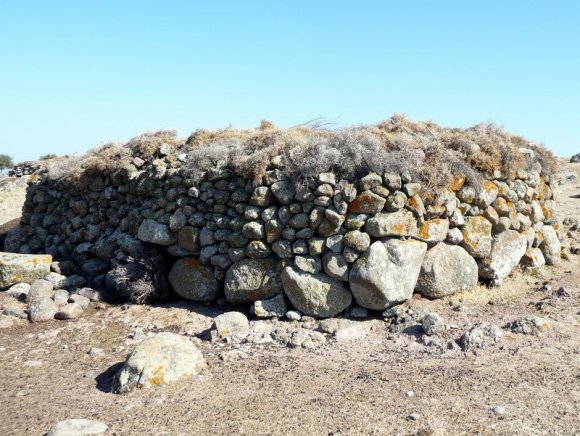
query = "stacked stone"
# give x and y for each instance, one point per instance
(321, 242)
(26, 169)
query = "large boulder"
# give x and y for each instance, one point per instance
(315, 294)
(477, 236)
(155, 233)
(249, 280)
(550, 245)
(446, 270)
(159, 359)
(386, 274)
(22, 268)
(507, 250)
(194, 281)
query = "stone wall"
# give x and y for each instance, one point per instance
(319, 245)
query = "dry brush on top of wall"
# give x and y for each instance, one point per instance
(428, 152)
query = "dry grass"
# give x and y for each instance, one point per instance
(430, 153)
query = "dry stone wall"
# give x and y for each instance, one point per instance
(318, 245)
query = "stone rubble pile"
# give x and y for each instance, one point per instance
(27, 168)
(317, 245)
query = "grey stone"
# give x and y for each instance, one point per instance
(253, 230)
(177, 220)
(550, 245)
(477, 239)
(272, 307)
(161, 358)
(400, 223)
(283, 191)
(262, 196)
(411, 189)
(39, 289)
(42, 309)
(315, 294)
(194, 281)
(257, 250)
(19, 291)
(231, 326)
(250, 280)
(22, 268)
(386, 274)
(370, 181)
(293, 315)
(336, 266)
(155, 233)
(81, 300)
(327, 178)
(392, 181)
(349, 193)
(60, 297)
(507, 250)
(77, 427)
(324, 190)
(446, 269)
(335, 243)
(300, 221)
(454, 236)
(309, 264)
(358, 240)
(283, 249)
(529, 325)
(432, 324)
(188, 238)
(395, 201)
(69, 311)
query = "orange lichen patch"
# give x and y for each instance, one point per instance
(457, 182)
(435, 211)
(489, 187)
(548, 212)
(433, 230)
(366, 202)
(158, 376)
(513, 212)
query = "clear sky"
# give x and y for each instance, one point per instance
(76, 74)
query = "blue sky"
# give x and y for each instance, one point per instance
(76, 74)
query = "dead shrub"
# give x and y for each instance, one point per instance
(143, 280)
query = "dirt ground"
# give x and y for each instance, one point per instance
(387, 383)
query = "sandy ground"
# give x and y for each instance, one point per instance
(384, 384)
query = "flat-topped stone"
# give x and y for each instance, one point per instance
(22, 268)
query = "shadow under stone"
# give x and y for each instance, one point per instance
(105, 379)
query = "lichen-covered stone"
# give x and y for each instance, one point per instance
(161, 358)
(315, 294)
(386, 274)
(477, 236)
(155, 233)
(194, 281)
(250, 280)
(507, 249)
(400, 223)
(550, 244)
(22, 268)
(446, 269)
(433, 231)
(367, 202)
(533, 258)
